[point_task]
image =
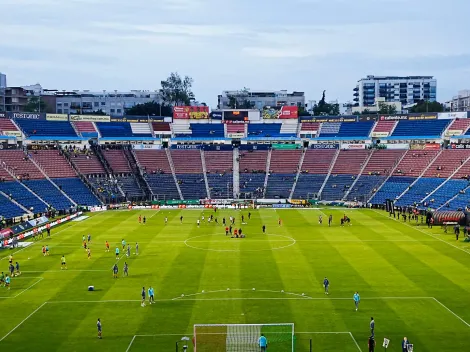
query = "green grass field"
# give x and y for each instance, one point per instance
(415, 282)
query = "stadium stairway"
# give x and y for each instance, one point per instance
(268, 165)
(253, 172)
(330, 169)
(172, 166)
(299, 169)
(236, 172)
(204, 172)
(144, 186)
(107, 167)
(359, 175)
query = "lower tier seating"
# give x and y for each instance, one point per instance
(77, 190)
(364, 187)
(8, 209)
(251, 185)
(130, 187)
(445, 193)
(308, 186)
(220, 185)
(49, 193)
(395, 186)
(192, 186)
(163, 186)
(23, 196)
(422, 188)
(279, 185)
(337, 186)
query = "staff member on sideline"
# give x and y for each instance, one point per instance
(263, 343)
(371, 344)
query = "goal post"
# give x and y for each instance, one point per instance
(243, 337)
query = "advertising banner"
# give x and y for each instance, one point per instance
(216, 115)
(286, 146)
(5, 233)
(380, 134)
(284, 112)
(191, 112)
(393, 117)
(137, 118)
(235, 135)
(255, 147)
(349, 118)
(3, 115)
(425, 116)
(353, 146)
(57, 117)
(146, 146)
(101, 208)
(282, 205)
(21, 227)
(324, 146)
(90, 118)
(186, 146)
(398, 146)
(427, 146)
(12, 133)
(453, 115)
(453, 133)
(460, 146)
(39, 221)
(27, 115)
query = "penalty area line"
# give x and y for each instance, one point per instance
(22, 322)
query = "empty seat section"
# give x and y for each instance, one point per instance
(23, 196)
(6, 125)
(87, 164)
(289, 128)
(252, 172)
(49, 193)
(157, 172)
(283, 170)
(460, 202)
(46, 128)
(20, 164)
(207, 130)
(394, 186)
(85, 128)
(330, 129)
(117, 160)
(355, 129)
(77, 190)
(445, 193)
(414, 162)
(459, 127)
(54, 163)
(8, 209)
(313, 173)
(421, 189)
(264, 130)
(130, 187)
(383, 128)
(141, 129)
(375, 172)
(420, 128)
(219, 166)
(310, 128)
(344, 172)
(447, 163)
(118, 129)
(235, 128)
(161, 128)
(188, 169)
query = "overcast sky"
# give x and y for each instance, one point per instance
(303, 45)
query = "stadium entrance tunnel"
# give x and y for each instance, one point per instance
(255, 243)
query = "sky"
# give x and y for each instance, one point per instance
(301, 45)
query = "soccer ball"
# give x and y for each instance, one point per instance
(282, 291)
(228, 289)
(202, 291)
(182, 295)
(253, 288)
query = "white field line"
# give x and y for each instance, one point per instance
(132, 341)
(21, 322)
(64, 271)
(240, 290)
(26, 289)
(427, 234)
(355, 342)
(42, 239)
(451, 312)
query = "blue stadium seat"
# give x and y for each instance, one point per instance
(77, 190)
(353, 129)
(49, 193)
(220, 185)
(163, 186)
(118, 129)
(46, 128)
(364, 187)
(420, 128)
(9, 209)
(308, 185)
(265, 130)
(445, 193)
(422, 188)
(207, 130)
(130, 187)
(336, 187)
(252, 183)
(395, 186)
(23, 196)
(192, 186)
(279, 185)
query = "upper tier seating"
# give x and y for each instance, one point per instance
(358, 129)
(87, 164)
(235, 128)
(330, 129)
(77, 190)
(117, 160)
(85, 128)
(212, 130)
(6, 125)
(53, 163)
(310, 128)
(20, 164)
(350, 162)
(459, 126)
(283, 169)
(141, 129)
(23, 196)
(219, 161)
(161, 129)
(265, 130)
(420, 128)
(446, 163)
(414, 162)
(153, 161)
(252, 172)
(384, 127)
(118, 129)
(8, 209)
(46, 128)
(188, 169)
(49, 193)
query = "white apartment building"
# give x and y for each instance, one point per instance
(407, 89)
(112, 103)
(460, 102)
(260, 99)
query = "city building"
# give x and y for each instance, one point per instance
(406, 89)
(374, 109)
(112, 103)
(16, 99)
(261, 99)
(3, 85)
(460, 102)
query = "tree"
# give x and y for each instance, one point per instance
(324, 108)
(176, 91)
(35, 104)
(387, 109)
(423, 106)
(150, 108)
(303, 111)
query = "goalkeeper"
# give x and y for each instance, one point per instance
(263, 343)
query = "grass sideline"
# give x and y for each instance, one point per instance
(413, 281)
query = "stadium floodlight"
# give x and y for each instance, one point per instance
(243, 337)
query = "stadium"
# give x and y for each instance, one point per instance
(237, 221)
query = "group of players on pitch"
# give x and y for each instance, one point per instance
(13, 269)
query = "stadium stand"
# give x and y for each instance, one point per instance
(23, 196)
(384, 128)
(283, 169)
(117, 160)
(212, 130)
(408, 128)
(53, 163)
(77, 190)
(49, 193)
(457, 127)
(8, 209)
(189, 173)
(329, 129)
(20, 164)
(219, 165)
(235, 128)
(85, 128)
(6, 125)
(161, 129)
(122, 129)
(266, 130)
(338, 129)
(252, 172)
(46, 128)
(310, 128)
(313, 172)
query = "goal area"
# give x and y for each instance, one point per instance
(243, 337)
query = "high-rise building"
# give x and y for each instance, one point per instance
(407, 89)
(260, 99)
(3, 85)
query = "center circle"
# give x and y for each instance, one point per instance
(234, 242)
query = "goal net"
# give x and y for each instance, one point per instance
(242, 337)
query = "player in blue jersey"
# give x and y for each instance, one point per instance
(151, 297)
(356, 299)
(128, 250)
(326, 285)
(115, 271)
(143, 297)
(123, 242)
(98, 325)
(126, 269)
(263, 343)
(117, 252)
(7, 282)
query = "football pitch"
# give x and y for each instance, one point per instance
(413, 281)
